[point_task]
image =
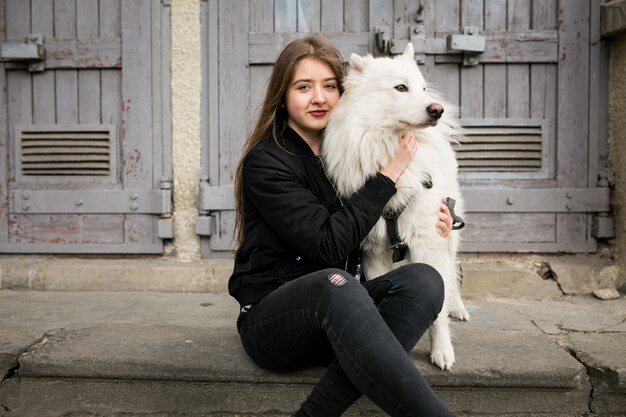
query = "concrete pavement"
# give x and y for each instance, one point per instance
(171, 354)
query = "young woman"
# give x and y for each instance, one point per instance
(298, 250)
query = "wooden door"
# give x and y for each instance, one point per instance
(533, 103)
(82, 138)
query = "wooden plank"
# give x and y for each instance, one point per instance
(42, 20)
(140, 230)
(210, 92)
(426, 29)
(233, 81)
(65, 229)
(355, 15)
(259, 77)
(44, 103)
(598, 102)
(259, 74)
(573, 111)
(543, 79)
(44, 111)
(66, 81)
(111, 98)
(84, 248)
(472, 76)
(557, 200)
(527, 247)
(4, 146)
(498, 199)
(136, 95)
(261, 17)
(18, 91)
(448, 19)
(234, 78)
(285, 16)
(160, 63)
(17, 19)
(508, 47)
(402, 19)
(573, 108)
(308, 16)
(509, 227)
(265, 47)
(88, 201)
(66, 96)
(3, 27)
(87, 18)
(19, 94)
(448, 16)
(495, 88)
(380, 17)
(89, 96)
(110, 19)
(331, 15)
(518, 82)
(64, 19)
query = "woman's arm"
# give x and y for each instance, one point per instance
(296, 214)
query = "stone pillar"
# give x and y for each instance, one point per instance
(186, 92)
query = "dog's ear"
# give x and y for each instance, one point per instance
(409, 52)
(357, 63)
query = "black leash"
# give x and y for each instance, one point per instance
(457, 222)
(396, 244)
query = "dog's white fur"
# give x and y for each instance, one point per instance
(362, 135)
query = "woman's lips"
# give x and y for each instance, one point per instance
(318, 113)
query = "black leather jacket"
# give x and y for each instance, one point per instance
(294, 222)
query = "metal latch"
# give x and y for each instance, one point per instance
(31, 51)
(471, 43)
(383, 41)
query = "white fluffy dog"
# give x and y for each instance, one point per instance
(384, 97)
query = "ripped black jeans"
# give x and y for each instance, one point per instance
(363, 331)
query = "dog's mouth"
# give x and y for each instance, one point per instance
(423, 125)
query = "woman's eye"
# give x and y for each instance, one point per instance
(402, 88)
(303, 87)
(331, 86)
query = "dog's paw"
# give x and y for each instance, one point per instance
(443, 358)
(459, 314)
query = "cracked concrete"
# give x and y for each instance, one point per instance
(111, 353)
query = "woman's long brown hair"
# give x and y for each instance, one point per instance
(273, 115)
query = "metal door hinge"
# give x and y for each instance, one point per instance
(206, 225)
(31, 51)
(471, 43)
(603, 227)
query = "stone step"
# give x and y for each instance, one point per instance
(137, 354)
(484, 276)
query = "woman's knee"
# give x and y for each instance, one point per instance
(423, 281)
(333, 283)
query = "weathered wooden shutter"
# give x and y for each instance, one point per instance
(84, 145)
(533, 167)
(235, 79)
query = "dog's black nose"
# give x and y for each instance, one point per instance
(435, 110)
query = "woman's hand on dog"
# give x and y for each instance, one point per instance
(401, 159)
(444, 224)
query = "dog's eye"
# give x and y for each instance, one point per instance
(402, 88)
(424, 89)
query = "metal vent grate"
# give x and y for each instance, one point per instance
(500, 148)
(76, 151)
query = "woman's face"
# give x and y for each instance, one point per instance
(311, 95)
